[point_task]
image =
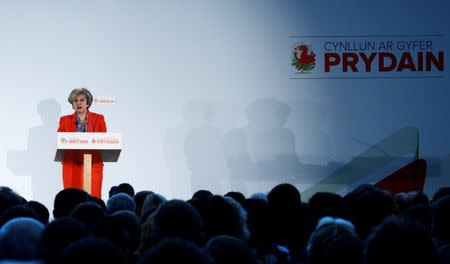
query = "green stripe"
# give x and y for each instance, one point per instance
(404, 141)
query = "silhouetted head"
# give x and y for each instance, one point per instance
(177, 218)
(139, 199)
(398, 240)
(441, 220)
(112, 191)
(112, 229)
(367, 206)
(441, 192)
(420, 213)
(334, 241)
(238, 196)
(125, 188)
(259, 196)
(120, 201)
(417, 198)
(400, 202)
(284, 195)
(40, 210)
(325, 204)
(444, 254)
(88, 213)
(130, 223)
(225, 216)
(227, 249)
(260, 222)
(153, 201)
(9, 198)
(57, 235)
(202, 194)
(175, 250)
(93, 251)
(20, 238)
(17, 211)
(66, 200)
(99, 202)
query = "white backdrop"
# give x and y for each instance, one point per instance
(167, 63)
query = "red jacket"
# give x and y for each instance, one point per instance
(95, 123)
(73, 159)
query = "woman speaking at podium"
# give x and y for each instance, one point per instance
(82, 120)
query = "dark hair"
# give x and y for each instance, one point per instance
(111, 229)
(417, 198)
(120, 201)
(398, 240)
(139, 199)
(177, 218)
(98, 201)
(284, 195)
(112, 191)
(93, 251)
(125, 188)
(88, 213)
(9, 198)
(260, 224)
(152, 202)
(441, 219)
(441, 192)
(335, 242)
(325, 204)
(66, 200)
(238, 196)
(367, 206)
(221, 218)
(40, 210)
(201, 194)
(57, 235)
(13, 235)
(130, 223)
(420, 213)
(17, 211)
(227, 249)
(175, 250)
(290, 224)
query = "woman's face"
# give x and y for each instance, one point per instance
(80, 104)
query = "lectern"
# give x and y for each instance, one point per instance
(108, 144)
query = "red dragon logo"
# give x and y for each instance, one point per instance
(303, 59)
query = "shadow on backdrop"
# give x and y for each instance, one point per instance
(203, 148)
(175, 158)
(310, 121)
(194, 153)
(37, 160)
(264, 149)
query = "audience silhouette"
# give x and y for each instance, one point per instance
(367, 225)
